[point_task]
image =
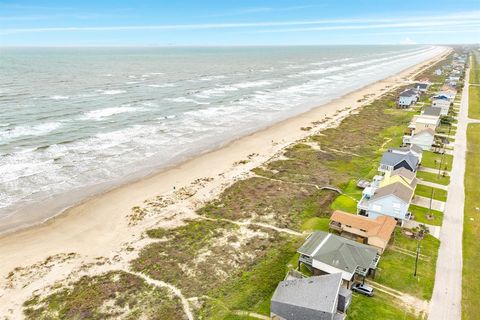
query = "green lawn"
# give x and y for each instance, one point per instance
(433, 160)
(471, 226)
(362, 308)
(344, 203)
(421, 212)
(433, 177)
(474, 101)
(396, 268)
(424, 191)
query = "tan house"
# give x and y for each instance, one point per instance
(375, 232)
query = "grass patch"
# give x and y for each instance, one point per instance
(474, 102)
(396, 268)
(112, 295)
(344, 203)
(471, 226)
(433, 160)
(421, 212)
(362, 308)
(425, 191)
(433, 177)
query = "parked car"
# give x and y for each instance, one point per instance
(363, 289)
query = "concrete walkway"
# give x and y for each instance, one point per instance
(432, 184)
(434, 230)
(431, 170)
(425, 202)
(446, 301)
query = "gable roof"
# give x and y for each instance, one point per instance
(318, 293)
(426, 119)
(408, 93)
(344, 254)
(397, 189)
(403, 173)
(425, 131)
(416, 148)
(432, 111)
(381, 227)
(421, 85)
(392, 159)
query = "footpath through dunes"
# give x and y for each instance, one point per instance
(236, 264)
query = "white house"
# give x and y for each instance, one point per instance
(443, 102)
(424, 139)
(407, 98)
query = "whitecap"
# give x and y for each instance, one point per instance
(26, 130)
(165, 85)
(112, 92)
(100, 114)
(58, 97)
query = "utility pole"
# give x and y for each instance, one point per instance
(416, 259)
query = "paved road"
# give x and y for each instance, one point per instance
(447, 292)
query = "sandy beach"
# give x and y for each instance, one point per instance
(104, 227)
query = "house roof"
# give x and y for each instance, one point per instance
(427, 119)
(429, 131)
(318, 293)
(441, 97)
(392, 159)
(421, 85)
(404, 173)
(338, 252)
(397, 189)
(381, 227)
(416, 148)
(408, 93)
(432, 111)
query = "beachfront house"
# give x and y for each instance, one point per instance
(407, 98)
(443, 102)
(375, 232)
(318, 297)
(326, 253)
(426, 121)
(391, 200)
(424, 139)
(422, 86)
(413, 149)
(402, 175)
(391, 161)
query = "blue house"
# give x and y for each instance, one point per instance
(391, 200)
(407, 98)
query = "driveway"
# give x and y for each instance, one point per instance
(447, 291)
(425, 202)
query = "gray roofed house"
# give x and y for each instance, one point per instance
(432, 111)
(412, 148)
(408, 93)
(392, 200)
(329, 253)
(392, 161)
(422, 86)
(397, 189)
(318, 297)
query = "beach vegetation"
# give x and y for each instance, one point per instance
(112, 295)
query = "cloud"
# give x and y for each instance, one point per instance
(407, 40)
(458, 19)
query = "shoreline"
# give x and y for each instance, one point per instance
(25, 216)
(99, 225)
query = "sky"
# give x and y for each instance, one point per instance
(229, 22)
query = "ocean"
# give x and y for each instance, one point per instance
(82, 120)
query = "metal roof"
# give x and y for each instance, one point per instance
(299, 297)
(339, 252)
